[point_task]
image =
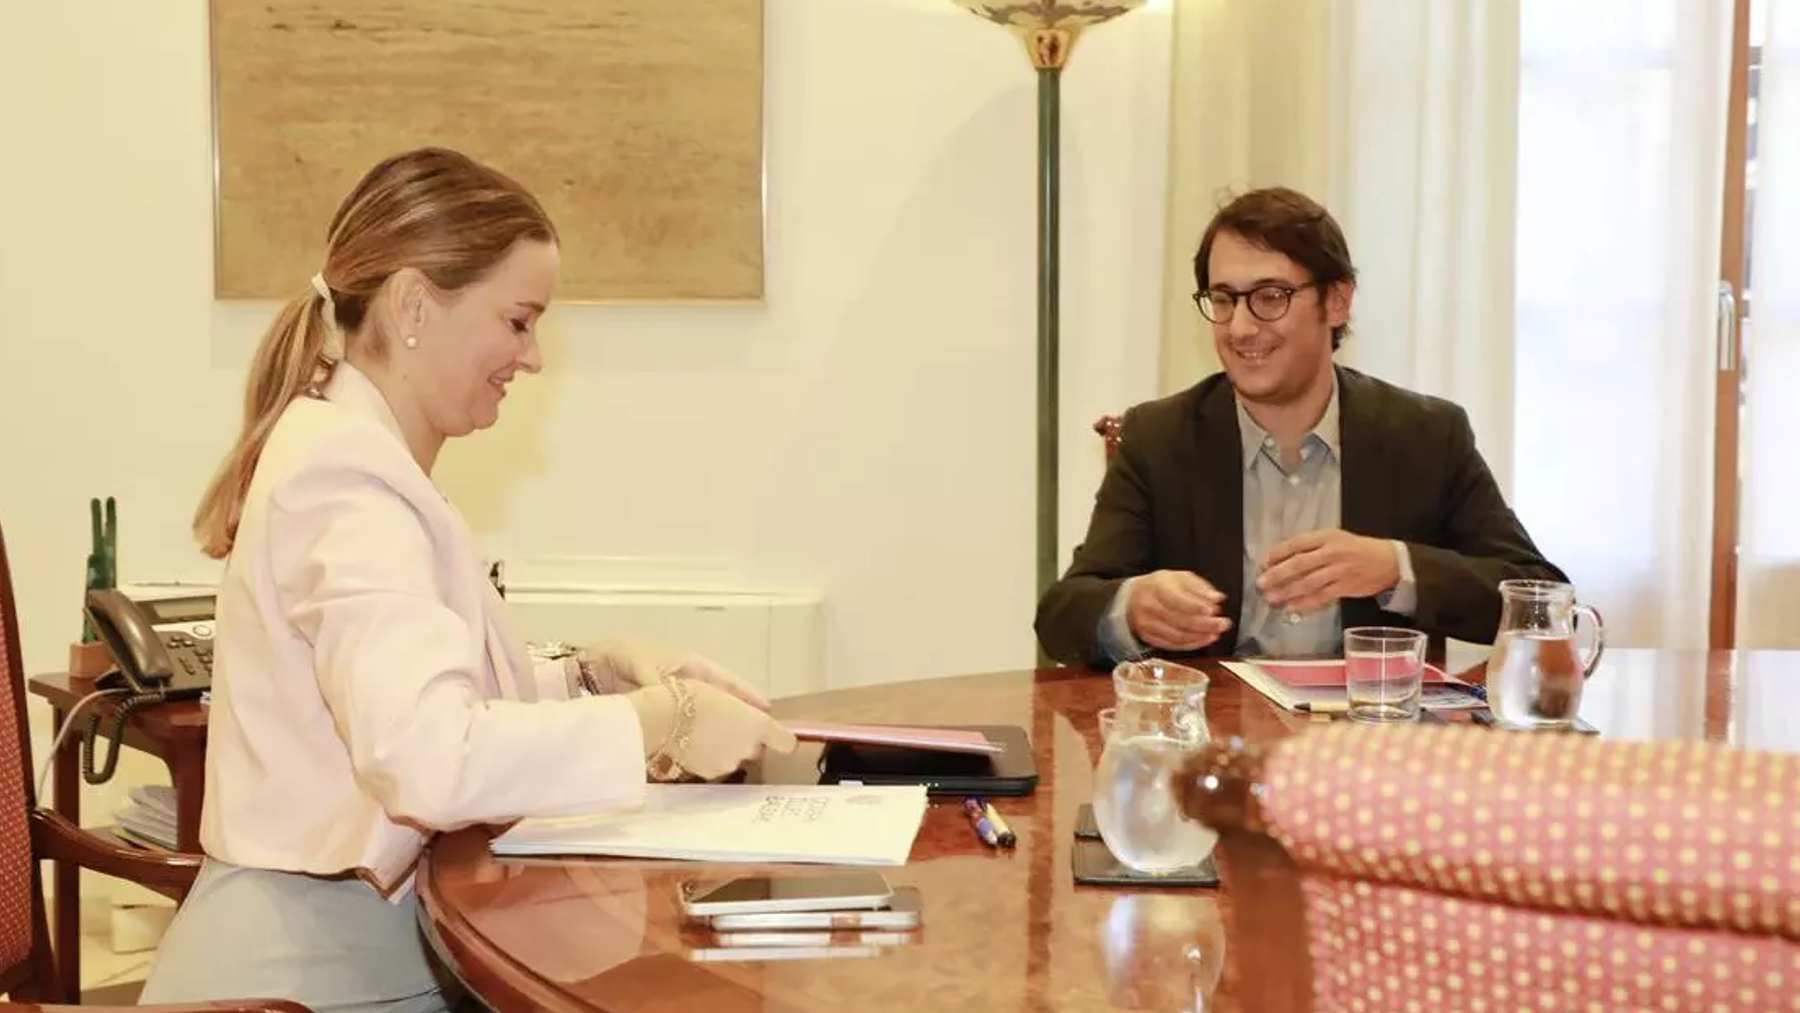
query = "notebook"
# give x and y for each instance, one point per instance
(828, 824)
(1318, 685)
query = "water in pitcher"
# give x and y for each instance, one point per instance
(1534, 680)
(1137, 812)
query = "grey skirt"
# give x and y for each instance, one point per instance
(332, 944)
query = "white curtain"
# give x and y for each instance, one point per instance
(1246, 109)
(1769, 544)
(1531, 189)
(1400, 117)
(1422, 129)
(1621, 141)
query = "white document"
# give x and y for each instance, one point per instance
(831, 824)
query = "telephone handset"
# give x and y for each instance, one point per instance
(150, 661)
(155, 665)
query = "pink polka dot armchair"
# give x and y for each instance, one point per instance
(1458, 868)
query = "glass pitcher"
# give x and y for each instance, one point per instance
(1534, 676)
(1159, 720)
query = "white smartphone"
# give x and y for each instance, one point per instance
(902, 915)
(739, 940)
(838, 891)
(758, 953)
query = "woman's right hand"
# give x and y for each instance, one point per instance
(624, 665)
(726, 731)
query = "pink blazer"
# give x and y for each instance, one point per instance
(366, 689)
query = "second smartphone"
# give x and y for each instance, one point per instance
(763, 894)
(901, 915)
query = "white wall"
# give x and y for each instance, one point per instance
(868, 430)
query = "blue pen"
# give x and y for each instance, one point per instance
(978, 819)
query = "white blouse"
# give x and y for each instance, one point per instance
(366, 690)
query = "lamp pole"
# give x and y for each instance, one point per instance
(1048, 332)
(1049, 29)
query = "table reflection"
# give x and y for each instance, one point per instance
(1765, 686)
(521, 900)
(1648, 695)
(1162, 951)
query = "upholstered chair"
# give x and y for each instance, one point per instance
(1460, 868)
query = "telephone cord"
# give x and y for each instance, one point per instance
(117, 736)
(63, 733)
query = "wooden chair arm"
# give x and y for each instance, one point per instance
(1220, 787)
(1110, 429)
(1217, 786)
(170, 873)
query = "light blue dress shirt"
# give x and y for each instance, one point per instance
(1280, 503)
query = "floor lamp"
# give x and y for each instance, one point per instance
(1049, 29)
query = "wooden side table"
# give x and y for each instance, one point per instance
(174, 732)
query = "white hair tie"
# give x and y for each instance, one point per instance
(334, 338)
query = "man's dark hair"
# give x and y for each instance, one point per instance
(1289, 223)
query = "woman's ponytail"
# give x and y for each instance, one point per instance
(288, 361)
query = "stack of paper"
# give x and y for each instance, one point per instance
(831, 824)
(1319, 685)
(150, 815)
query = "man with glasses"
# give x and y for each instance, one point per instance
(1263, 510)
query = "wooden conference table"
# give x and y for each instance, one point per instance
(1002, 929)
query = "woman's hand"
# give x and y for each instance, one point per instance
(622, 666)
(723, 733)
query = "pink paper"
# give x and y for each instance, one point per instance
(1326, 673)
(951, 740)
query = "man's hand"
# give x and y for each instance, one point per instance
(1175, 610)
(1311, 571)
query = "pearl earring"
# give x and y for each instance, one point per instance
(412, 341)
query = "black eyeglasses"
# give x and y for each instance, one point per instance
(1267, 303)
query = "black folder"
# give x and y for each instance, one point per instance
(1012, 771)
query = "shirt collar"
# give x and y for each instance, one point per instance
(351, 388)
(1327, 430)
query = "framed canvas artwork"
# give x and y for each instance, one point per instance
(638, 124)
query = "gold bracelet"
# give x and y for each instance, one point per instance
(589, 681)
(665, 763)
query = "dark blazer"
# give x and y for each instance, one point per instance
(1173, 499)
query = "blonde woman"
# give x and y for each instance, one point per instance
(366, 690)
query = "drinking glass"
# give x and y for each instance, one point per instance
(1384, 669)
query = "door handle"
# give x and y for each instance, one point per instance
(1727, 327)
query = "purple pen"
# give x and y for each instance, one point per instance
(978, 819)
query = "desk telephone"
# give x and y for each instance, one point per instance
(164, 652)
